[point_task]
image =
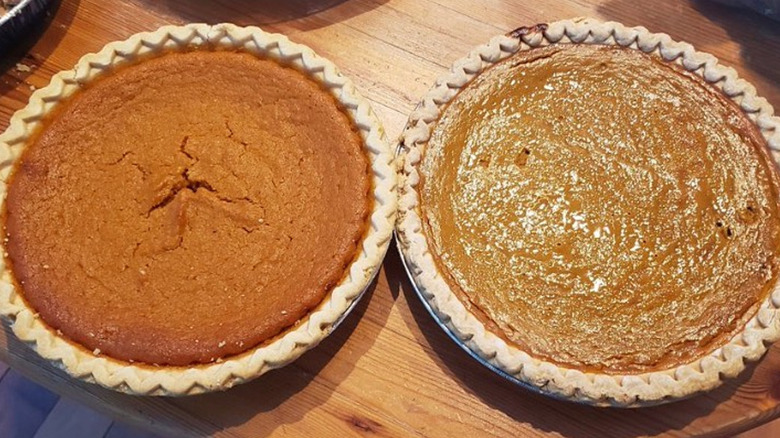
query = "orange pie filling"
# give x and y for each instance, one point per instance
(187, 208)
(602, 209)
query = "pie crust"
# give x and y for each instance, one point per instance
(144, 379)
(627, 390)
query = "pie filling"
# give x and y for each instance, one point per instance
(187, 208)
(601, 209)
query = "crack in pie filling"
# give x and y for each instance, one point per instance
(601, 209)
(187, 208)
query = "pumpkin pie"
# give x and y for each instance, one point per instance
(602, 210)
(196, 206)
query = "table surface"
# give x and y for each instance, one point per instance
(389, 370)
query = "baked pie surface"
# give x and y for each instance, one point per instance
(560, 187)
(248, 187)
(602, 209)
(187, 208)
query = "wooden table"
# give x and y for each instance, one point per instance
(389, 370)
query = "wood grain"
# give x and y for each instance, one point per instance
(389, 370)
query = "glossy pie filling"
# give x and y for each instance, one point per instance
(601, 209)
(187, 208)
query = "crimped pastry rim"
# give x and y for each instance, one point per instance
(175, 381)
(593, 388)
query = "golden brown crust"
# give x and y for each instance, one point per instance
(213, 202)
(581, 211)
